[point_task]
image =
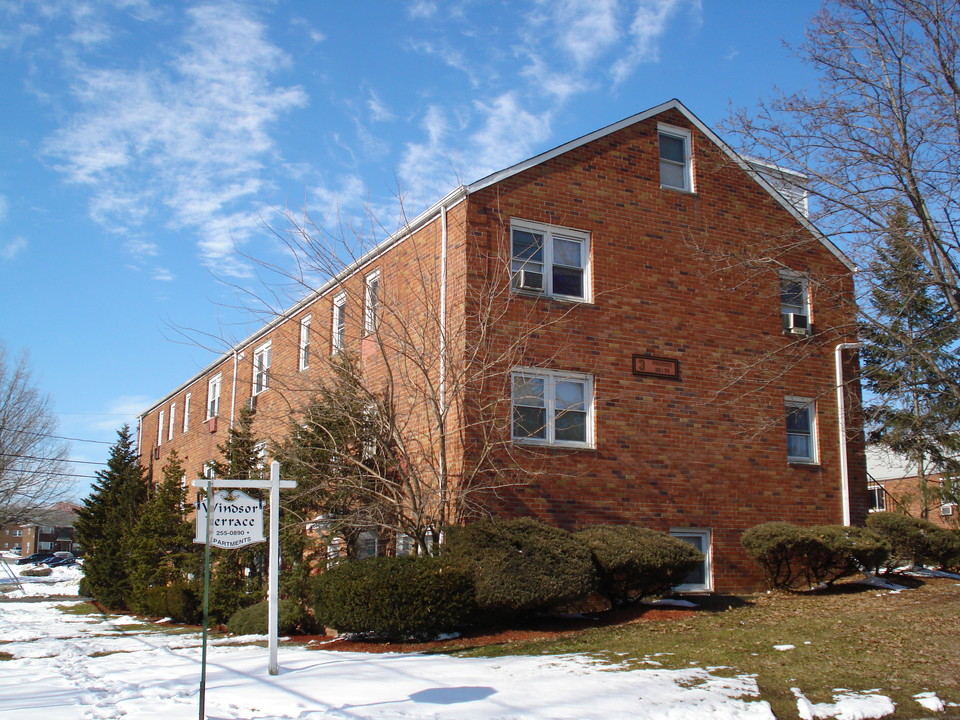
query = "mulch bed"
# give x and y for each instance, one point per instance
(546, 628)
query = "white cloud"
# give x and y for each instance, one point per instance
(162, 274)
(4, 207)
(378, 110)
(650, 18)
(10, 249)
(121, 410)
(191, 136)
(508, 135)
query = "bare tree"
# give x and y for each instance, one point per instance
(882, 129)
(33, 462)
(408, 428)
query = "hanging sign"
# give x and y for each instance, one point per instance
(237, 520)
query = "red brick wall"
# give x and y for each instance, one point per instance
(706, 451)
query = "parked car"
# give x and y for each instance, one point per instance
(59, 559)
(37, 557)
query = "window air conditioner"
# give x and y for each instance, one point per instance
(528, 280)
(947, 509)
(252, 403)
(796, 324)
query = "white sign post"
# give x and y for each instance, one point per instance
(231, 525)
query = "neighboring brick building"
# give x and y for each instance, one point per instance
(894, 486)
(54, 532)
(663, 330)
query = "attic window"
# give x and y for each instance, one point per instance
(675, 166)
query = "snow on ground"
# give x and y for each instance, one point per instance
(847, 705)
(81, 666)
(61, 581)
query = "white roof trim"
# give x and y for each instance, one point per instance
(645, 115)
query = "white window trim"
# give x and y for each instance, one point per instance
(213, 398)
(304, 349)
(186, 412)
(706, 534)
(171, 428)
(549, 232)
(338, 338)
(261, 372)
(161, 421)
(811, 403)
(371, 311)
(552, 377)
(687, 137)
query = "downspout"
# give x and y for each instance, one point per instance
(233, 390)
(842, 426)
(442, 380)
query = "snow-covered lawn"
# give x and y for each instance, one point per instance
(70, 666)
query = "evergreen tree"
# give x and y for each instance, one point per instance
(107, 521)
(162, 549)
(910, 359)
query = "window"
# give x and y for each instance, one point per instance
(371, 307)
(366, 546)
(209, 470)
(675, 166)
(161, 421)
(405, 545)
(878, 498)
(338, 334)
(213, 397)
(795, 303)
(261, 368)
(552, 408)
(549, 260)
(18, 533)
(699, 579)
(173, 421)
(46, 545)
(305, 342)
(801, 430)
(186, 413)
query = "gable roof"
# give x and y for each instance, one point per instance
(750, 166)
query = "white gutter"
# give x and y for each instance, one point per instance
(442, 381)
(842, 426)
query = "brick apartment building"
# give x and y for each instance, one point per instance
(894, 486)
(54, 532)
(662, 330)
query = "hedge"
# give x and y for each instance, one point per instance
(914, 541)
(522, 566)
(252, 620)
(182, 603)
(635, 562)
(395, 598)
(794, 557)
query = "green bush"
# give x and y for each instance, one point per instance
(914, 541)
(794, 557)
(635, 562)
(395, 598)
(943, 548)
(252, 620)
(180, 602)
(522, 566)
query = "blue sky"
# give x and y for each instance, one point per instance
(146, 147)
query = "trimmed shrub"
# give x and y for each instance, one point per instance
(914, 541)
(252, 620)
(36, 572)
(522, 566)
(794, 557)
(634, 562)
(181, 603)
(943, 548)
(395, 598)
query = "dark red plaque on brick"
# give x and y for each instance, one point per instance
(650, 366)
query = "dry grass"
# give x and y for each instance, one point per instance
(854, 637)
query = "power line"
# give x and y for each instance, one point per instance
(58, 437)
(34, 457)
(55, 474)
